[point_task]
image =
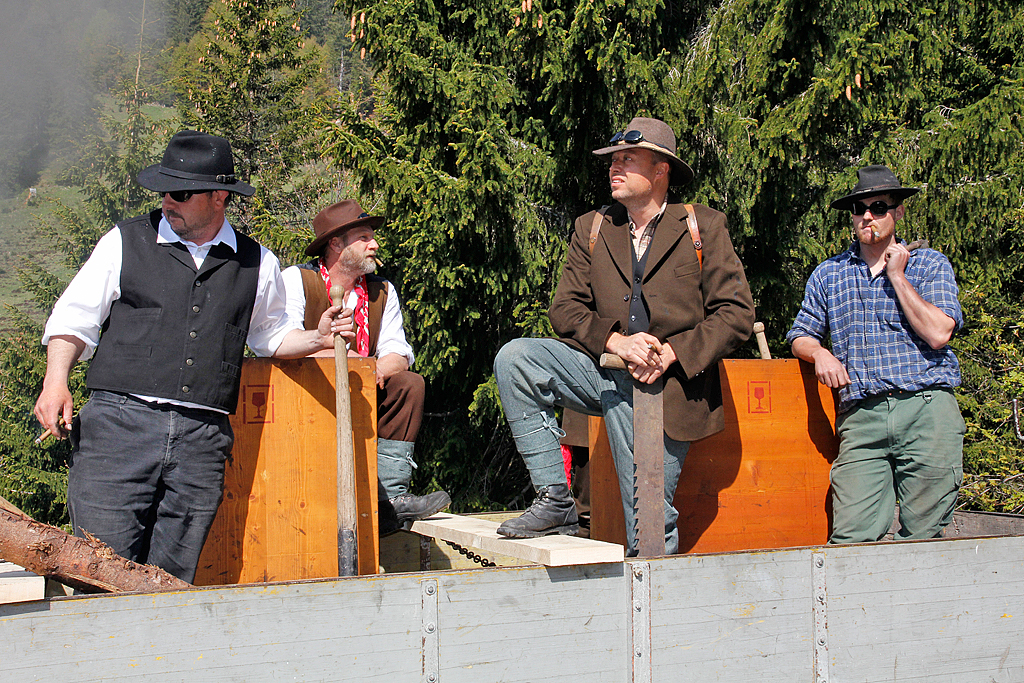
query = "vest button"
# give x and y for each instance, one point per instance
(193, 334)
(184, 389)
(189, 361)
(195, 309)
(198, 283)
(626, 298)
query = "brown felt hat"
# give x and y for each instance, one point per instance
(872, 180)
(654, 135)
(336, 219)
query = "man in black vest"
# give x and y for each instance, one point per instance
(177, 294)
(345, 250)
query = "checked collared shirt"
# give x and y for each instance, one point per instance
(870, 335)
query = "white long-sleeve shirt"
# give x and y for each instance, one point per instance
(86, 303)
(392, 334)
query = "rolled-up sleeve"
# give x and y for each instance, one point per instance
(392, 332)
(85, 304)
(270, 322)
(812, 320)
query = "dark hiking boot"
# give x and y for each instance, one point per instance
(552, 512)
(387, 519)
(409, 508)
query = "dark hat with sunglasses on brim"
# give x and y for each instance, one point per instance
(336, 219)
(871, 181)
(195, 162)
(652, 134)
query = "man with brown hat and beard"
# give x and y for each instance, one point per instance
(345, 251)
(658, 283)
(167, 302)
(890, 313)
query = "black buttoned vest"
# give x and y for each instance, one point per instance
(176, 333)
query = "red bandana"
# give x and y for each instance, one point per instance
(360, 314)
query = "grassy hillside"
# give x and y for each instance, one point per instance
(23, 239)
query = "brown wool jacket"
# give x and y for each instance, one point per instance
(704, 313)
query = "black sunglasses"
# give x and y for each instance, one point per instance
(878, 208)
(182, 196)
(628, 136)
(632, 137)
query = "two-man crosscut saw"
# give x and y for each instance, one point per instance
(648, 462)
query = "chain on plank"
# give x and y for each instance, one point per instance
(482, 561)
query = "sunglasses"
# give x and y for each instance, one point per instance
(182, 196)
(632, 137)
(628, 136)
(878, 208)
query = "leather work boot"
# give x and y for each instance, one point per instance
(409, 508)
(552, 512)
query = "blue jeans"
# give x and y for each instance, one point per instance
(534, 376)
(147, 479)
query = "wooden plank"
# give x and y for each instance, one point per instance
(552, 551)
(762, 482)
(909, 612)
(936, 611)
(403, 551)
(536, 624)
(733, 618)
(278, 517)
(19, 585)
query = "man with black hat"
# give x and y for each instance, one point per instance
(656, 282)
(890, 313)
(168, 302)
(345, 251)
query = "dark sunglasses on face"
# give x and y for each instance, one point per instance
(878, 208)
(182, 196)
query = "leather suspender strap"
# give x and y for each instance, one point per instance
(691, 221)
(595, 228)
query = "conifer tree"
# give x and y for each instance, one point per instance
(34, 476)
(478, 153)
(785, 101)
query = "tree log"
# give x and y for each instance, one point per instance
(86, 564)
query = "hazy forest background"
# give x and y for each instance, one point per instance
(469, 124)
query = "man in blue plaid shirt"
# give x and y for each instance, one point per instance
(890, 313)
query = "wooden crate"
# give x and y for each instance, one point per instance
(278, 519)
(761, 483)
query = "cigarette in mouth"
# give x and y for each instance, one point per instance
(377, 261)
(875, 233)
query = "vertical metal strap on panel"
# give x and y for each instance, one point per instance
(640, 618)
(820, 600)
(424, 553)
(429, 631)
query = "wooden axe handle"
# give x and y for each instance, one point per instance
(346, 494)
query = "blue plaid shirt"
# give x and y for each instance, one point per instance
(870, 335)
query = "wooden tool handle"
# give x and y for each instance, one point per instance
(612, 362)
(762, 341)
(346, 495)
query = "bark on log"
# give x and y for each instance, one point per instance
(86, 564)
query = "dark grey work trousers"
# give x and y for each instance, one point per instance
(146, 479)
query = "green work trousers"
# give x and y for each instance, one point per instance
(901, 446)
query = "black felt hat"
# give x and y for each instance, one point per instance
(873, 180)
(195, 162)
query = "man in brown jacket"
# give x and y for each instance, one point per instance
(668, 297)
